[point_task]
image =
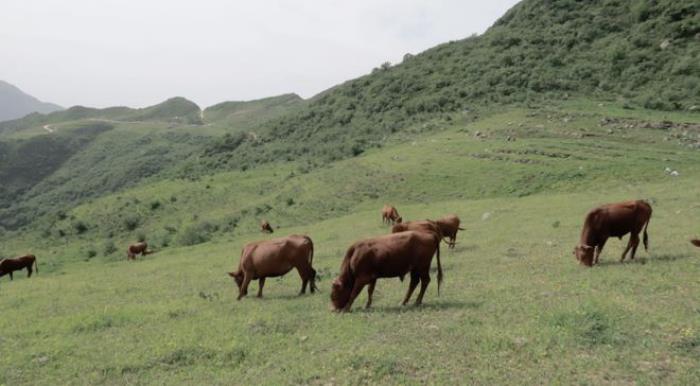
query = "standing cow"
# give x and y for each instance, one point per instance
(8, 266)
(449, 226)
(392, 255)
(613, 220)
(390, 215)
(272, 258)
(265, 227)
(140, 248)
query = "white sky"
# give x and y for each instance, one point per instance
(137, 53)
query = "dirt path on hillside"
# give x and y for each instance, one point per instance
(49, 128)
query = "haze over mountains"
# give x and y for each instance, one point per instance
(15, 103)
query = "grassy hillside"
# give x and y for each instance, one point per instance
(559, 107)
(252, 113)
(521, 180)
(640, 53)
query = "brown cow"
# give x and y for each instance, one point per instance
(137, 249)
(695, 242)
(272, 258)
(422, 226)
(390, 215)
(392, 255)
(7, 266)
(449, 225)
(265, 227)
(614, 220)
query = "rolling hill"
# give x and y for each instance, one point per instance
(14, 103)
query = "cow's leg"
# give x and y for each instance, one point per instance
(424, 281)
(304, 280)
(261, 284)
(627, 248)
(29, 271)
(243, 291)
(11, 278)
(453, 241)
(599, 250)
(360, 283)
(370, 291)
(634, 239)
(411, 287)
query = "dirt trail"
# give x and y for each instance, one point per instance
(49, 128)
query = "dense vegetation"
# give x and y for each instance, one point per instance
(642, 53)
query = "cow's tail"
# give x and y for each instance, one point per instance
(311, 262)
(646, 236)
(311, 253)
(439, 267)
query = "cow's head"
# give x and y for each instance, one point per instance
(399, 220)
(340, 295)
(237, 277)
(584, 254)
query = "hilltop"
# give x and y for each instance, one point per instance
(14, 103)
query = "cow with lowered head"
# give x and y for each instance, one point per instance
(8, 266)
(273, 258)
(613, 220)
(392, 255)
(390, 215)
(449, 226)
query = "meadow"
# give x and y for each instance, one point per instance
(515, 306)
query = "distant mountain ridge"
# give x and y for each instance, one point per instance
(15, 103)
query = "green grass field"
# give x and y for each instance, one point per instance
(515, 306)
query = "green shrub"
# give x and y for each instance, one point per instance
(109, 248)
(197, 233)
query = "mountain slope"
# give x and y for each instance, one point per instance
(643, 53)
(249, 113)
(14, 103)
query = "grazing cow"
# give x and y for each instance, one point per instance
(613, 220)
(7, 266)
(449, 225)
(272, 258)
(695, 242)
(137, 249)
(392, 255)
(265, 227)
(390, 215)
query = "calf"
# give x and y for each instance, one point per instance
(7, 266)
(272, 258)
(392, 255)
(613, 220)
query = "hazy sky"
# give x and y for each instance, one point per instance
(138, 53)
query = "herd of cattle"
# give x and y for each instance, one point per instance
(409, 249)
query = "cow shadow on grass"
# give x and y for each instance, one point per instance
(436, 305)
(666, 258)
